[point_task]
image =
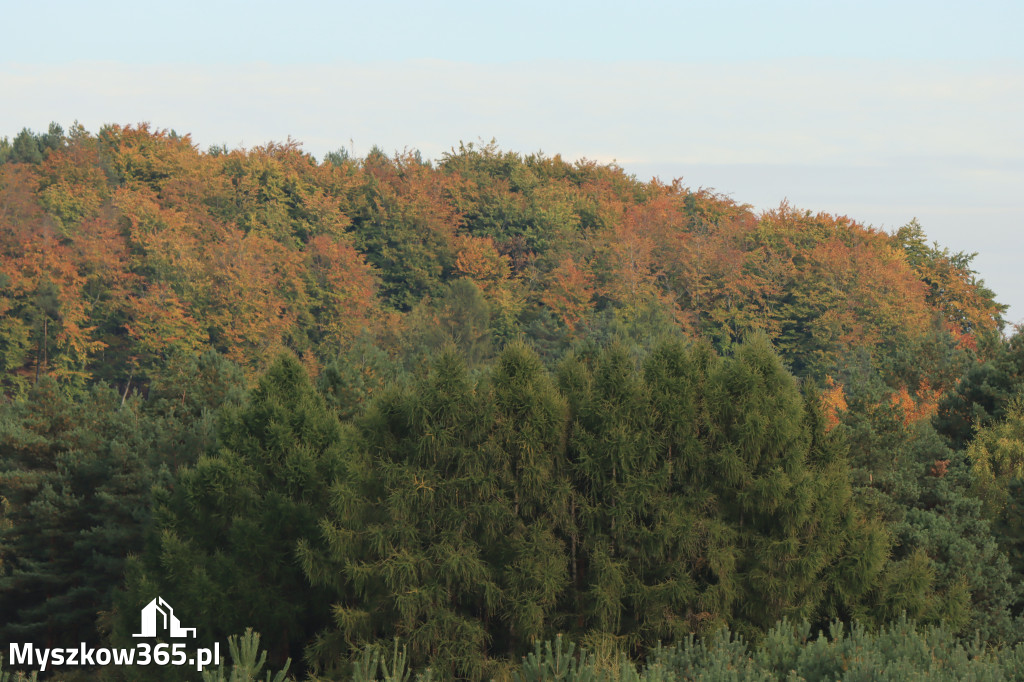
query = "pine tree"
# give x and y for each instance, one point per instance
(906, 475)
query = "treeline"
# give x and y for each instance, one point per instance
(123, 252)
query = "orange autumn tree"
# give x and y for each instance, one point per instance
(138, 156)
(342, 288)
(833, 403)
(918, 406)
(246, 288)
(726, 274)
(46, 326)
(691, 252)
(248, 241)
(569, 292)
(161, 327)
(479, 260)
(841, 286)
(630, 272)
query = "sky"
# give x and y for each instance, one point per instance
(881, 111)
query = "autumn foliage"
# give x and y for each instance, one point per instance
(125, 249)
(477, 402)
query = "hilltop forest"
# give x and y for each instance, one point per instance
(481, 403)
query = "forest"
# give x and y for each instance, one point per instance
(492, 416)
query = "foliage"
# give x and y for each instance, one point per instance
(983, 394)
(17, 677)
(132, 248)
(75, 478)
(514, 397)
(247, 662)
(228, 528)
(926, 493)
(791, 651)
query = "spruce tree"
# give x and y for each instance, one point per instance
(75, 477)
(785, 491)
(527, 448)
(647, 541)
(414, 564)
(696, 547)
(224, 547)
(456, 539)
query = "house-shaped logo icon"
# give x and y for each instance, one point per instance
(159, 609)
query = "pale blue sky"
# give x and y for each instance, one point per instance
(881, 111)
(491, 32)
